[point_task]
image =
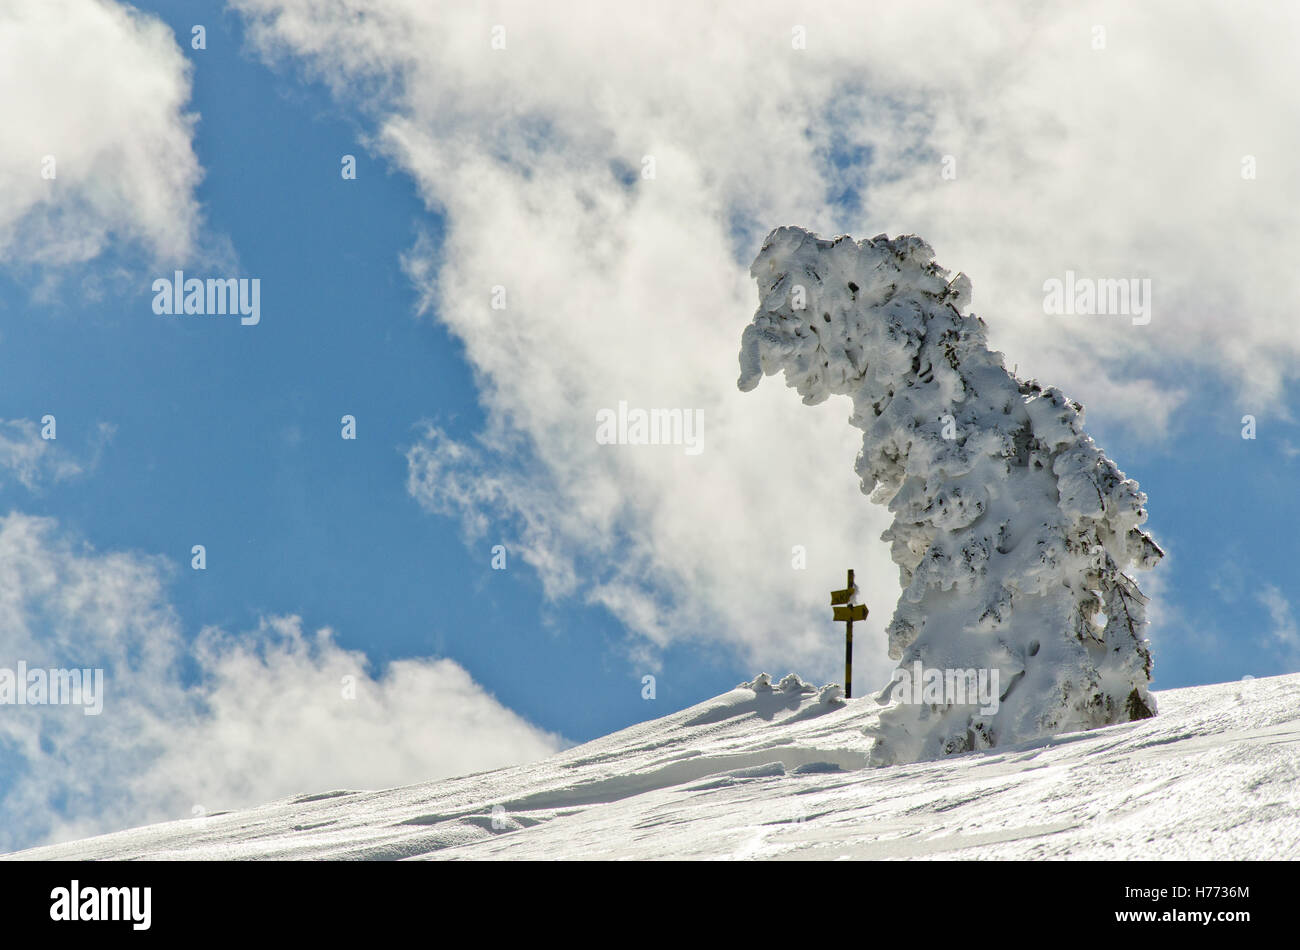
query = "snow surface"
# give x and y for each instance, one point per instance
(780, 771)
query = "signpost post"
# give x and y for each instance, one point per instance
(847, 608)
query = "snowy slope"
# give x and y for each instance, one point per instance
(770, 772)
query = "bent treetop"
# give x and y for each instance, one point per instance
(1012, 531)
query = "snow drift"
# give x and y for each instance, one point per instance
(1012, 531)
(779, 771)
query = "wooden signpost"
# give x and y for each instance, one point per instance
(847, 608)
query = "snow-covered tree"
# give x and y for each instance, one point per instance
(1012, 531)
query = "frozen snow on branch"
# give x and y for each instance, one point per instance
(1012, 531)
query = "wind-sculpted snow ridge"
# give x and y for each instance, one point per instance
(1012, 531)
(780, 770)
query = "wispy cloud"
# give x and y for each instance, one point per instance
(35, 462)
(232, 720)
(1285, 634)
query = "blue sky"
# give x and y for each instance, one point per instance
(229, 436)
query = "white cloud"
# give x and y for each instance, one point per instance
(101, 88)
(268, 714)
(29, 458)
(1116, 162)
(35, 462)
(1285, 633)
